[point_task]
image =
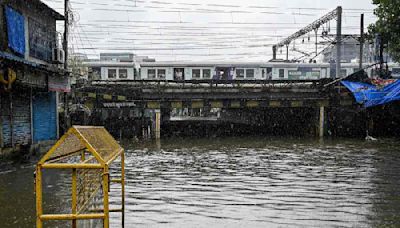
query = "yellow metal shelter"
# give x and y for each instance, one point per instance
(88, 152)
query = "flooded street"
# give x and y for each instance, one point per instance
(242, 182)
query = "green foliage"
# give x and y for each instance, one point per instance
(388, 25)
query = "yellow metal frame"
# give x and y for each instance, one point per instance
(102, 163)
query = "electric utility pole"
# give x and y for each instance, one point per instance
(361, 41)
(338, 41)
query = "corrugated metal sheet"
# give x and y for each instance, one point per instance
(21, 119)
(44, 116)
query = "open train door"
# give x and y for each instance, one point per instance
(179, 74)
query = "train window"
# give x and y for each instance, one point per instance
(281, 73)
(249, 73)
(240, 73)
(206, 73)
(151, 73)
(161, 73)
(195, 73)
(123, 73)
(112, 73)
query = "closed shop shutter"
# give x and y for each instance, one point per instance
(21, 116)
(5, 120)
(44, 116)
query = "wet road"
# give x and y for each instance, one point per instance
(242, 182)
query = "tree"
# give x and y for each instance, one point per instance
(388, 25)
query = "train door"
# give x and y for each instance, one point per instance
(223, 73)
(179, 74)
(269, 73)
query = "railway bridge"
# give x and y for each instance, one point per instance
(241, 102)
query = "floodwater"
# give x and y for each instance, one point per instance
(239, 182)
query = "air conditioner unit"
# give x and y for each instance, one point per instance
(58, 56)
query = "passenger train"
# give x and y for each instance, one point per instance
(246, 71)
(181, 71)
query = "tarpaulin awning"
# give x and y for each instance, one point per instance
(370, 95)
(15, 30)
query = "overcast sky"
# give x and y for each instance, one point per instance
(208, 30)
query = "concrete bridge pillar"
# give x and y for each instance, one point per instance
(321, 122)
(157, 130)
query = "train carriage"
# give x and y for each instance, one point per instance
(233, 71)
(189, 71)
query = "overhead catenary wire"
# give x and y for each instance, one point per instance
(117, 28)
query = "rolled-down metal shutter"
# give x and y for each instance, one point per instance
(21, 119)
(44, 109)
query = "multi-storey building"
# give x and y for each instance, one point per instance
(31, 73)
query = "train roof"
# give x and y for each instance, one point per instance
(219, 64)
(230, 64)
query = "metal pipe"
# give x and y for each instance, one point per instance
(106, 188)
(72, 216)
(71, 166)
(110, 210)
(123, 187)
(38, 188)
(74, 197)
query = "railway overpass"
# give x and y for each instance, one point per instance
(245, 101)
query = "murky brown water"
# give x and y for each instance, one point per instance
(241, 182)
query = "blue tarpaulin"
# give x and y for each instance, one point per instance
(370, 95)
(15, 30)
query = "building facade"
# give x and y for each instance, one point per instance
(116, 66)
(31, 74)
(350, 50)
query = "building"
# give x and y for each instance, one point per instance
(31, 74)
(79, 70)
(115, 66)
(351, 52)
